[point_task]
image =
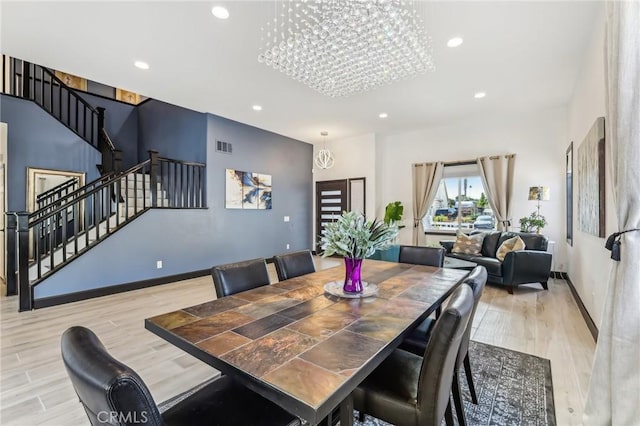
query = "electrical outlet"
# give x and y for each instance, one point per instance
(287, 246)
(287, 218)
(159, 264)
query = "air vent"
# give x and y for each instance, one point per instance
(223, 147)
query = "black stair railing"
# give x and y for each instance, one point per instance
(52, 195)
(40, 85)
(49, 205)
(111, 157)
(183, 182)
(54, 235)
(77, 221)
(41, 233)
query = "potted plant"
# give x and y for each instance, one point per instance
(393, 213)
(533, 222)
(355, 238)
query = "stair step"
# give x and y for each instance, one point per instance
(45, 262)
(130, 183)
(136, 192)
(139, 195)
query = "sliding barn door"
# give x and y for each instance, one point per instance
(331, 201)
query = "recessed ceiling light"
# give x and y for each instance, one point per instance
(455, 42)
(257, 108)
(220, 12)
(142, 65)
(479, 95)
(383, 115)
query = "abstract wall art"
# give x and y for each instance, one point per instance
(72, 81)
(591, 202)
(247, 190)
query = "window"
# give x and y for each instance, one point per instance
(460, 202)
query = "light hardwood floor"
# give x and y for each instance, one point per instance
(34, 387)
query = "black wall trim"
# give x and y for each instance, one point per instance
(105, 291)
(591, 325)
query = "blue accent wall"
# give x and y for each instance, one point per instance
(35, 139)
(121, 122)
(182, 239)
(289, 162)
(175, 132)
(190, 240)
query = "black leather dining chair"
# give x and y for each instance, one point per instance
(294, 264)
(407, 389)
(113, 394)
(419, 255)
(233, 278)
(416, 342)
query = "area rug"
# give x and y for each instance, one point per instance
(513, 388)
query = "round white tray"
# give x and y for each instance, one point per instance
(335, 289)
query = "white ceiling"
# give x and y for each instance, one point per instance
(525, 55)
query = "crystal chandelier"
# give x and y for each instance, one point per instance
(324, 157)
(341, 47)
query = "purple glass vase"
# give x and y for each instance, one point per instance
(352, 275)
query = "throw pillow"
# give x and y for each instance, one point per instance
(512, 244)
(468, 244)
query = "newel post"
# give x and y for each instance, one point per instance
(25, 296)
(153, 176)
(107, 157)
(100, 122)
(11, 225)
(100, 142)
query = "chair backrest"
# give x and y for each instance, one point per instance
(233, 278)
(429, 256)
(493, 239)
(294, 264)
(439, 360)
(111, 392)
(476, 280)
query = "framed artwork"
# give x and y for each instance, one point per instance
(264, 187)
(42, 180)
(72, 81)
(569, 190)
(247, 190)
(233, 199)
(591, 202)
(128, 97)
(250, 190)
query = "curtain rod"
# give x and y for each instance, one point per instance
(460, 163)
(468, 162)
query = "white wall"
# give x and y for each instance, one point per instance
(589, 261)
(539, 139)
(355, 157)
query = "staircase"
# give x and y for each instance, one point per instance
(135, 198)
(40, 85)
(71, 220)
(136, 194)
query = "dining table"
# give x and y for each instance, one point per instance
(302, 348)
